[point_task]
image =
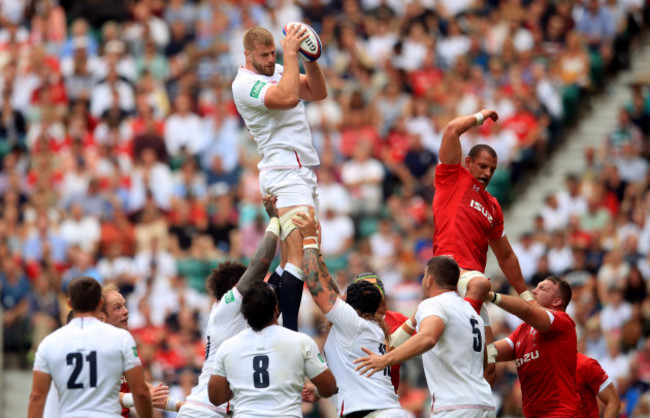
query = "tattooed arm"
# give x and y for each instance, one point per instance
(317, 277)
(259, 264)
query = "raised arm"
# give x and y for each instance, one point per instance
(450, 150)
(312, 85)
(317, 277)
(286, 94)
(509, 264)
(531, 313)
(264, 254)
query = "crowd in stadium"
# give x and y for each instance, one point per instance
(124, 159)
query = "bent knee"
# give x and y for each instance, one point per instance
(478, 287)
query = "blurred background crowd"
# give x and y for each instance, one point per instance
(123, 158)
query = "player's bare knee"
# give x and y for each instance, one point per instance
(478, 288)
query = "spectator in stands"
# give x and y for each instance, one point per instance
(183, 131)
(625, 132)
(363, 175)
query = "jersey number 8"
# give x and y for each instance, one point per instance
(261, 378)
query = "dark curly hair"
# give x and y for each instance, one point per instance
(365, 298)
(258, 305)
(224, 277)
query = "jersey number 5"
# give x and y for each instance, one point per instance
(77, 360)
(478, 340)
(261, 378)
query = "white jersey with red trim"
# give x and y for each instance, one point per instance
(283, 136)
(454, 367)
(225, 321)
(86, 359)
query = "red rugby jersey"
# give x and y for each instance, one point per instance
(591, 379)
(465, 216)
(546, 364)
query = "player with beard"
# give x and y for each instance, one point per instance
(269, 98)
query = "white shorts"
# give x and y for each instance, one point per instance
(388, 413)
(464, 413)
(462, 291)
(195, 411)
(292, 186)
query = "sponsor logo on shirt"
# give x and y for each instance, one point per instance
(476, 205)
(476, 188)
(257, 88)
(526, 358)
(230, 296)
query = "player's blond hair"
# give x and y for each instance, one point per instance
(257, 36)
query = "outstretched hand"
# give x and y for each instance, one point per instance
(306, 223)
(269, 205)
(159, 394)
(367, 366)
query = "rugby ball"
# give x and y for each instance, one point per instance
(311, 48)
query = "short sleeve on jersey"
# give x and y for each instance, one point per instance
(40, 360)
(447, 174)
(431, 307)
(251, 92)
(130, 357)
(345, 319)
(314, 361)
(218, 366)
(595, 376)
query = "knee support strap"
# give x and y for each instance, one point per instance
(286, 225)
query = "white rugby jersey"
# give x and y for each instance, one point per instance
(349, 333)
(86, 360)
(283, 136)
(454, 367)
(225, 321)
(266, 370)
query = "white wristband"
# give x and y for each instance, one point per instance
(491, 353)
(127, 400)
(497, 298)
(527, 296)
(479, 118)
(172, 404)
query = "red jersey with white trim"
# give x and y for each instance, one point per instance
(465, 216)
(546, 364)
(394, 320)
(591, 379)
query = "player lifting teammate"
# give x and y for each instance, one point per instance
(227, 283)
(450, 339)
(356, 322)
(268, 97)
(467, 218)
(263, 368)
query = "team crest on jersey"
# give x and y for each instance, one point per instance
(230, 296)
(476, 188)
(135, 351)
(257, 88)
